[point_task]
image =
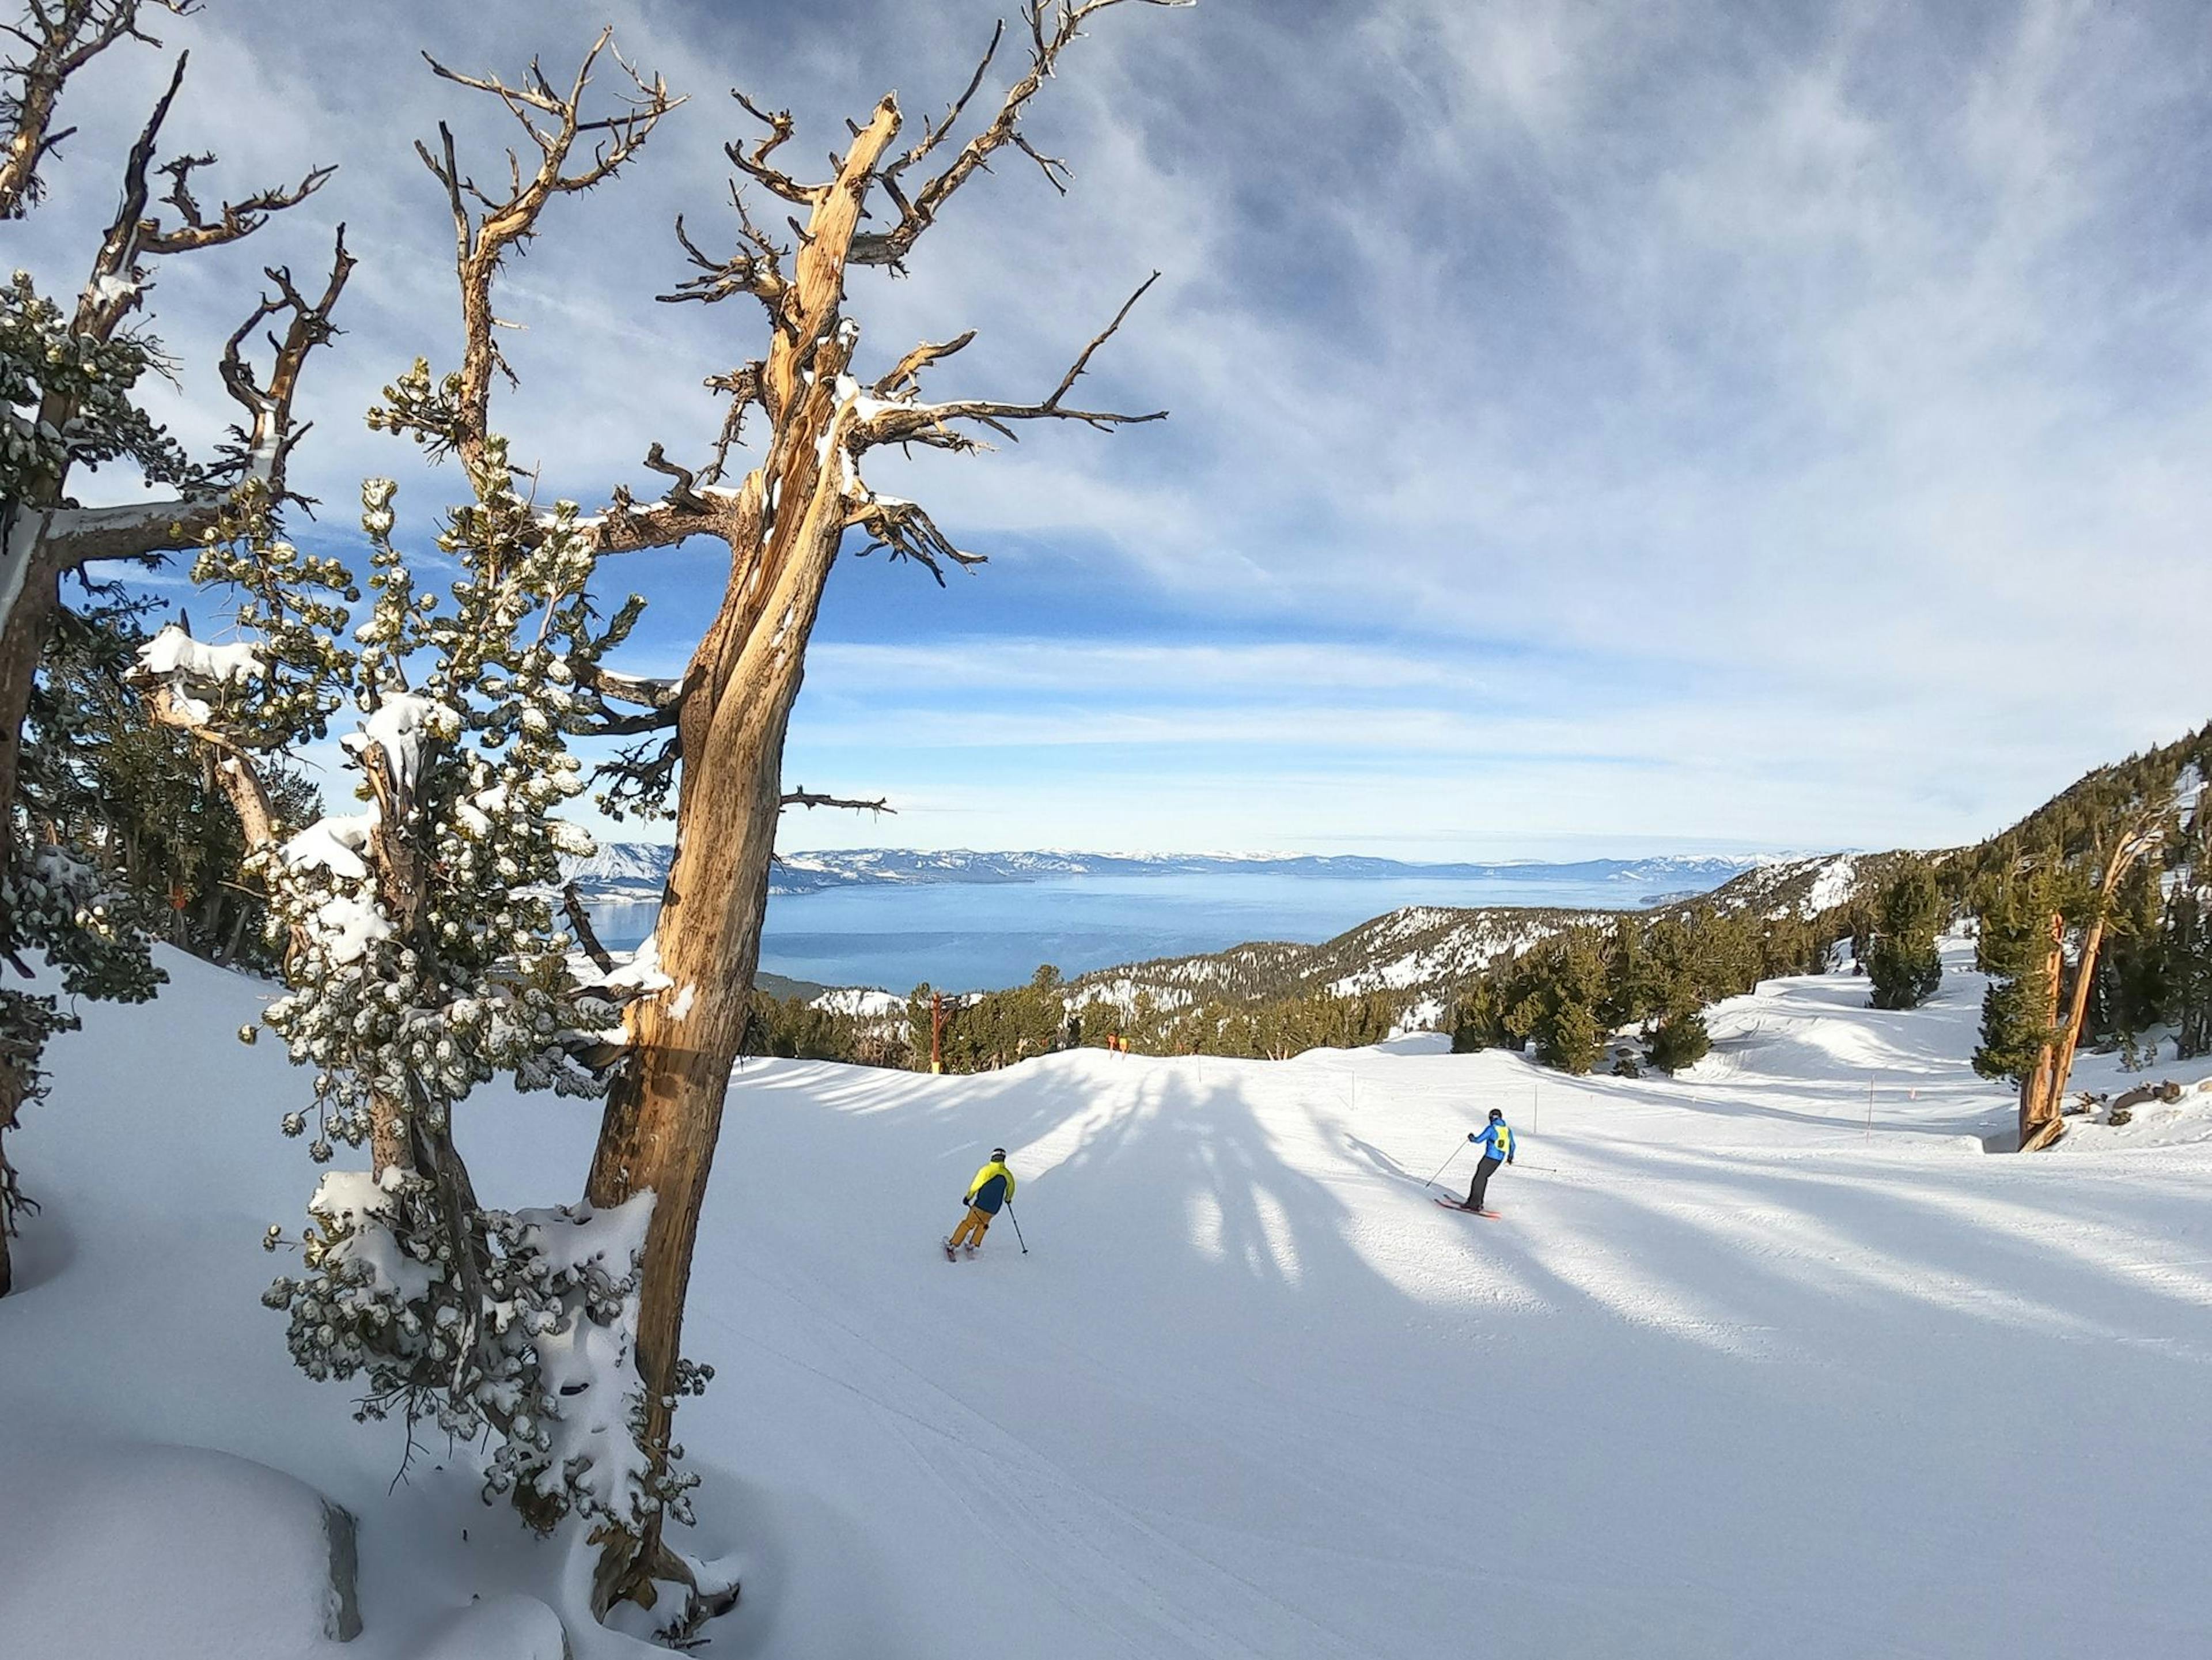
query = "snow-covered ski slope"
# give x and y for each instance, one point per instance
(1735, 1375)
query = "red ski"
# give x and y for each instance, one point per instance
(1454, 1204)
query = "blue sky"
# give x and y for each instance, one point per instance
(1596, 426)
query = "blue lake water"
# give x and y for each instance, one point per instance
(977, 936)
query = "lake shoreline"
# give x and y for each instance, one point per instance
(986, 936)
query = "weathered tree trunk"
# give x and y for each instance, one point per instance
(2070, 1034)
(2039, 1102)
(23, 626)
(2042, 1101)
(30, 594)
(664, 1114)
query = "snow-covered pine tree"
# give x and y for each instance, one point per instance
(423, 959)
(1902, 961)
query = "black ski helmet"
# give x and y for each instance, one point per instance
(1497, 1115)
(997, 1152)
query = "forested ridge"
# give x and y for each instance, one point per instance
(1625, 989)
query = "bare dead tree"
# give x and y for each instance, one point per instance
(65, 422)
(2134, 835)
(714, 737)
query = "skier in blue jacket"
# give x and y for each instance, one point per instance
(1496, 1144)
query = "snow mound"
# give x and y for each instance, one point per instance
(137, 1551)
(508, 1627)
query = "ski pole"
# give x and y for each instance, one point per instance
(1456, 1153)
(1017, 1221)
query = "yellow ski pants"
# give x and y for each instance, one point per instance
(972, 1227)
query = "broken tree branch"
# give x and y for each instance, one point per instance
(580, 924)
(807, 798)
(905, 378)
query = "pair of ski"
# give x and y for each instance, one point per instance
(1454, 1204)
(952, 1254)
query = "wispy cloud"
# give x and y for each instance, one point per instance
(1590, 418)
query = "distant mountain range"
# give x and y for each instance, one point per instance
(637, 870)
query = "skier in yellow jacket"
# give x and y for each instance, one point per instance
(992, 1187)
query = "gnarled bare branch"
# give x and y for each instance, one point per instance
(486, 227)
(264, 443)
(907, 531)
(681, 495)
(119, 270)
(756, 166)
(938, 425)
(745, 388)
(63, 36)
(111, 290)
(234, 219)
(933, 133)
(905, 378)
(76, 537)
(1053, 26)
(756, 268)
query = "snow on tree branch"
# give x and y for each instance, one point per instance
(76, 536)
